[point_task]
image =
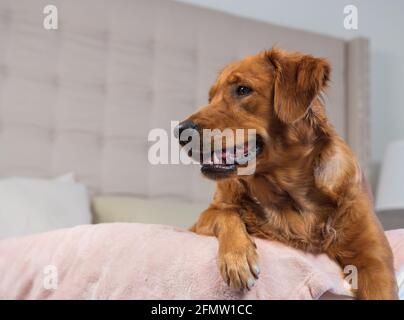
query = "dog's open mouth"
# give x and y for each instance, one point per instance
(224, 162)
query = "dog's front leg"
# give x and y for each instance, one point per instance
(364, 246)
(237, 251)
(376, 279)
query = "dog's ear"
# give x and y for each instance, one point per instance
(298, 80)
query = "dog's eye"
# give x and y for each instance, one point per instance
(243, 90)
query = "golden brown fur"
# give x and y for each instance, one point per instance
(306, 191)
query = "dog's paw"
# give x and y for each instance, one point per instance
(239, 266)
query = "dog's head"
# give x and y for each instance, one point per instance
(266, 92)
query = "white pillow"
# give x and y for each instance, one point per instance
(29, 205)
(174, 212)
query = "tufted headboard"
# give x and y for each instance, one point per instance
(84, 97)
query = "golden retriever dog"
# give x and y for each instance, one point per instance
(306, 190)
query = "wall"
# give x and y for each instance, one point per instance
(380, 21)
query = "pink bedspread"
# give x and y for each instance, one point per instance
(137, 261)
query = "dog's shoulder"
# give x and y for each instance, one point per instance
(336, 168)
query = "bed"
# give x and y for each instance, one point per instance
(84, 97)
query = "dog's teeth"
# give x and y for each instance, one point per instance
(239, 152)
(229, 157)
(207, 160)
(216, 158)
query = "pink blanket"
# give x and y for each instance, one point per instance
(137, 261)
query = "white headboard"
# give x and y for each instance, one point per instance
(84, 97)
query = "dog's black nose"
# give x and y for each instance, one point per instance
(185, 125)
